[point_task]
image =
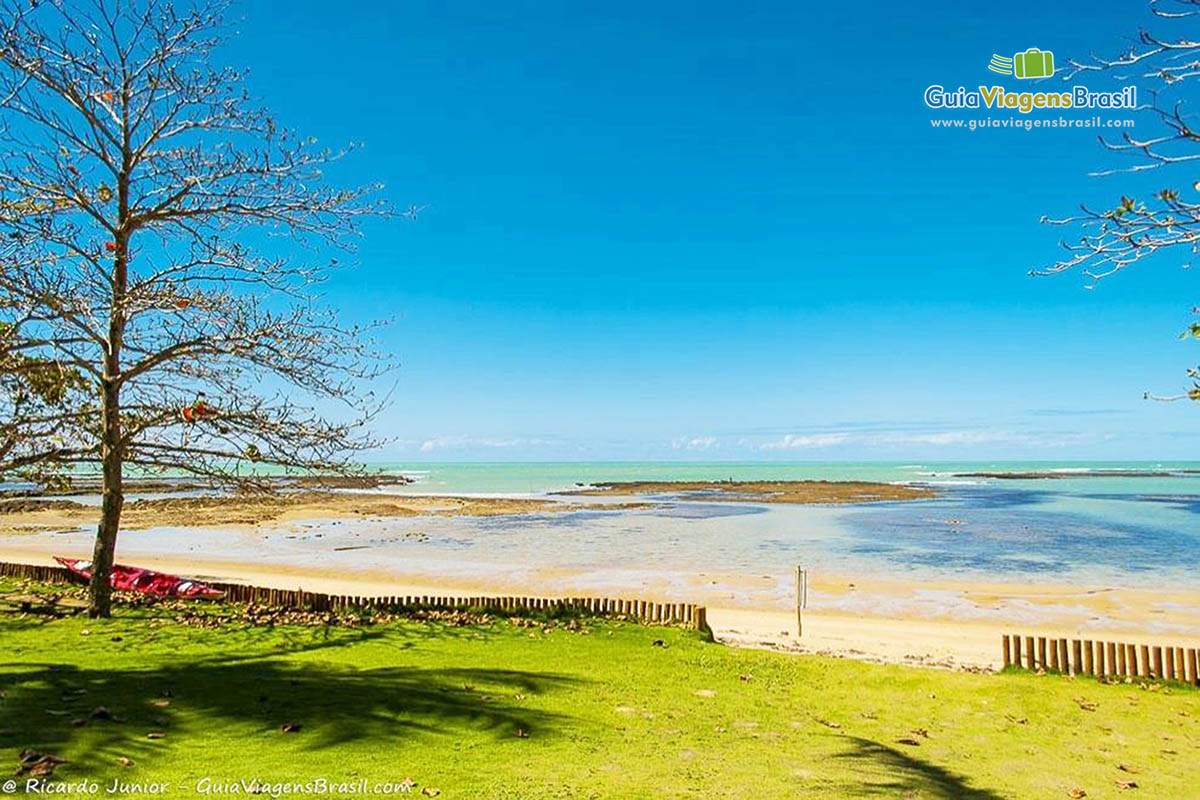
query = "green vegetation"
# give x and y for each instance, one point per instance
(500, 710)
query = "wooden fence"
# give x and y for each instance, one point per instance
(1102, 659)
(687, 615)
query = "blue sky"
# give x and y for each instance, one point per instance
(714, 231)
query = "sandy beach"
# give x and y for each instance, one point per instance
(660, 540)
(926, 639)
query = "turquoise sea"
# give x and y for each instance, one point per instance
(1090, 520)
(1091, 525)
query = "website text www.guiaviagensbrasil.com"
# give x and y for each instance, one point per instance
(1030, 124)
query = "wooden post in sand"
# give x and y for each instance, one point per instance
(801, 598)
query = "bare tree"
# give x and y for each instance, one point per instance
(1135, 228)
(149, 209)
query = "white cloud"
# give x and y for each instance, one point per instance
(695, 443)
(799, 441)
(464, 442)
(950, 438)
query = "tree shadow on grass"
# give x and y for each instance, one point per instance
(901, 774)
(50, 707)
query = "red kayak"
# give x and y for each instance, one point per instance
(135, 579)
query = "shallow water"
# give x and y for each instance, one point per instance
(1088, 526)
(1112, 531)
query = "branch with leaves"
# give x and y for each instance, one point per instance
(1166, 221)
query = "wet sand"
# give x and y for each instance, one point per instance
(30, 515)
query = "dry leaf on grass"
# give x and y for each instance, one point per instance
(38, 765)
(100, 712)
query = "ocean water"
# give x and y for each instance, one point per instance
(540, 477)
(1090, 522)
(1089, 525)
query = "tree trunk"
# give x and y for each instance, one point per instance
(100, 587)
(112, 443)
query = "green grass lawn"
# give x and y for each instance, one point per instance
(499, 711)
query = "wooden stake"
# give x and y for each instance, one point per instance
(799, 601)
